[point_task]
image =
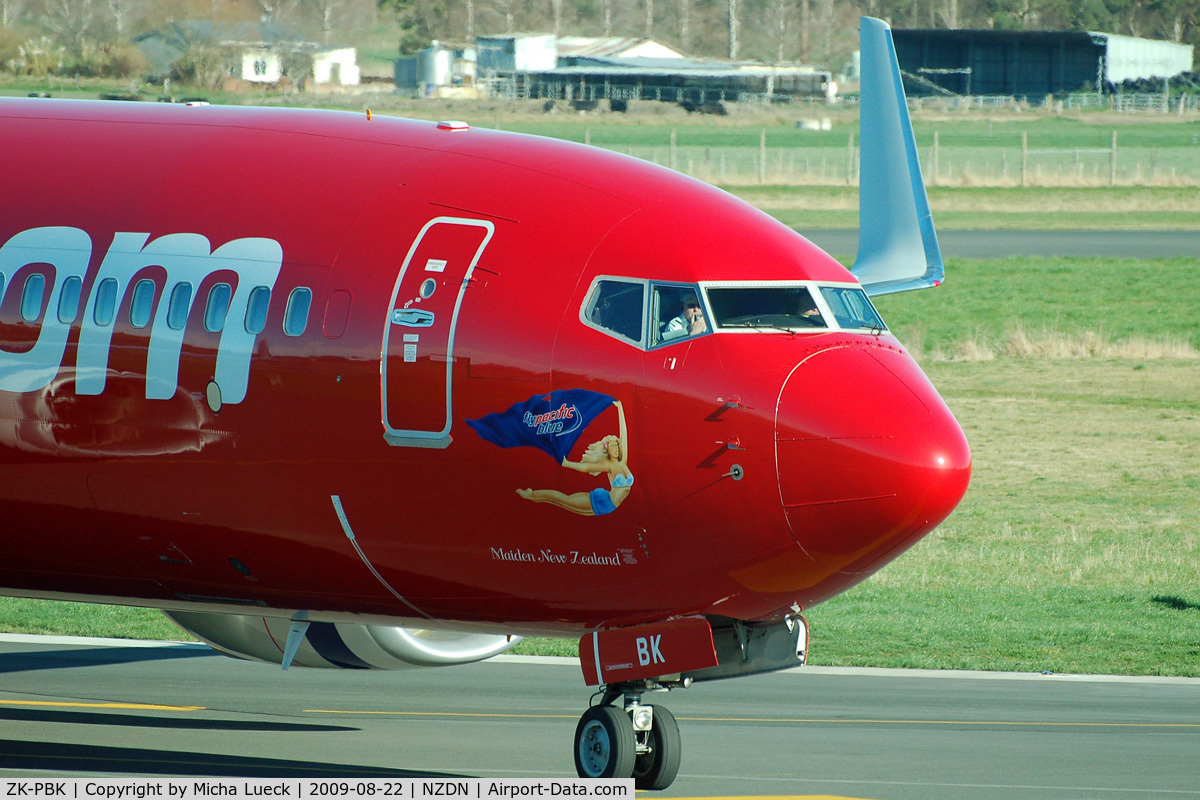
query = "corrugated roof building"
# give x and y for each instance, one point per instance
(588, 69)
(571, 47)
(1030, 64)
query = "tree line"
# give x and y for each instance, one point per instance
(95, 36)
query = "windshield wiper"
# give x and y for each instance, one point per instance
(770, 325)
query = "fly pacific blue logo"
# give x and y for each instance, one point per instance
(187, 259)
(562, 421)
(550, 422)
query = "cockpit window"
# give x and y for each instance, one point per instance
(649, 314)
(851, 308)
(765, 307)
(677, 313)
(617, 306)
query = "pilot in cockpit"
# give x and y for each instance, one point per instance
(806, 309)
(689, 322)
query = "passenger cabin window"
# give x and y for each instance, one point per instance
(617, 306)
(678, 313)
(295, 316)
(851, 308)
(789, 307)
(31, 297)
(68, 300)
(142, 305)
(106, 302)
(256, 309)
(179, 306)
(217, 307)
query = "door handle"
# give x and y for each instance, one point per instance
(412, 317)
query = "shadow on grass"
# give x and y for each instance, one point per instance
(1177, 603)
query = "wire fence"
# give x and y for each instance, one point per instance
(516, 88)
(1139, 103)
(1013, 164)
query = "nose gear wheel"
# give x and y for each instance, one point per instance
(605, 746)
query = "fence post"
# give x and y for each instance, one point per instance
(936, 165)
(762, 156)
(1112, 161)
(1024, 158)
(850, 160)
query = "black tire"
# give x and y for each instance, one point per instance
(658, 768)
(604, 744)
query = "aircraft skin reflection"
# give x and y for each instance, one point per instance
(269, 423)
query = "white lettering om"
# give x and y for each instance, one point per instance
(185, 257)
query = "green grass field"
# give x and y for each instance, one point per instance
(989, 304)
(976, 130)
(975, 149)
(1077, 548)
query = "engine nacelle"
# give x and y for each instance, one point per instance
(338, 645)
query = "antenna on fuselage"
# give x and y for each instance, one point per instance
(897, 245)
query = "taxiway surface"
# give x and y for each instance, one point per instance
(81, 708)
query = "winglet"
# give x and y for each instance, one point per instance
(897, 245)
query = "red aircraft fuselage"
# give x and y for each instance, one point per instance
(239, 349)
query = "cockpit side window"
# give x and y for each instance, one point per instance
(617, 306)
(851, 308)
(677, 313)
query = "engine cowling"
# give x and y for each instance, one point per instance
(338, 645)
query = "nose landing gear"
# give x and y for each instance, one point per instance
(637, 741)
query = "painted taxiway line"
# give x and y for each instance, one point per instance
(120, 706)
(769, 797)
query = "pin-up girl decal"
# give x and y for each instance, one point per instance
(554, 423)
(609, 455)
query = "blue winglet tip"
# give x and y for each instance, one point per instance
(898, 247)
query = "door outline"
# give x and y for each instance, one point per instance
(427, 438)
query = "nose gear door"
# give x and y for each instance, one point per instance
(418, 339)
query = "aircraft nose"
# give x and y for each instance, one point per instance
(869, 457)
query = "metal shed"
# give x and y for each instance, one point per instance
(516, 52)
(1030, 64)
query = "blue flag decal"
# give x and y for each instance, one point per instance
(550, 422)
